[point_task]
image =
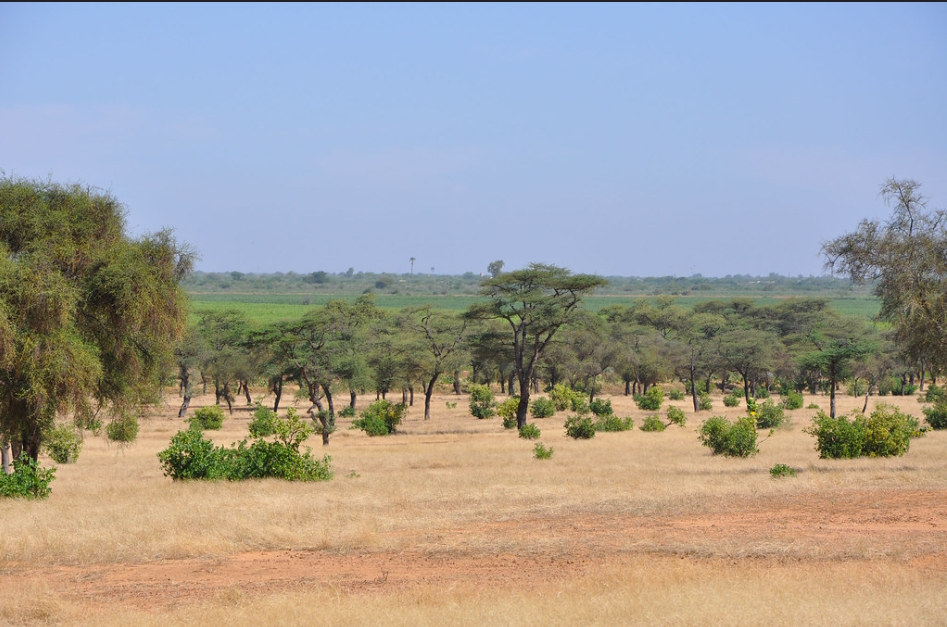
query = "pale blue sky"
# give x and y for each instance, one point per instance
(628, 140)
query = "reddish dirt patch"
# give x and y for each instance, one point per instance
(901, 525)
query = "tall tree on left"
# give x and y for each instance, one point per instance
(89, 316)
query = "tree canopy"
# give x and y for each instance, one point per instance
(88, 315)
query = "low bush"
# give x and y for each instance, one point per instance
(731, 400)
(650, 400)
(761, 392)
(211, 417)
(580, 405)
(542, 407)
(704, 402)
(889, 385)
(936, 416)
(782, 470)
(935, 394)
(769, 415)
(613, 423)
(812, 406)
(349, 412)
(263, 423)
(676, 416)
(530, 432)
(482, 404)
(580, 427)
(28, 480)
(541, 452)
(856, 387)
(509, 422)
(63, 444)
(653, 423)
(601, 407)
(729, 439)
(886, 432)
(837, 438)
(508, 408)
(380, 418)
(122, 429)
(792, 400)
(562, 396)
(676, 395)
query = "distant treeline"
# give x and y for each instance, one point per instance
(352, 283)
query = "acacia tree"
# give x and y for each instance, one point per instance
(905, 256)
(535, 303)
(88, 316)
(436, 346)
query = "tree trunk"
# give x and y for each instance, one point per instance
(693, 373)
(746, 389)
(352, 398)
(246, 392)
(5, 451)
(186, 390)
(228, 396)
(16, 448)
(328, 393)
(410, 396)
(277, 392)
(832, 395)
(502, 384)
(627, 387)
(457, 382)
(428, 393)
(867, 392)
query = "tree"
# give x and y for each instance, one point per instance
(495, 268)
(905, 256)
(535, 303)
(835, 343)
(88, 315)
(435, 347)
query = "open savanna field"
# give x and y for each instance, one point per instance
(453, 521)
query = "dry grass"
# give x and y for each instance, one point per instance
(642, 506)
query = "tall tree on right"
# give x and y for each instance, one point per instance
(906, 256)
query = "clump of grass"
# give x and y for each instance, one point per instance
(541, 452)
(782, 470)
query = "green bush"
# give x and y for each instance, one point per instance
(837, 438)
(380, 418)
(856, 387)
(507, 409)
(651, 400)
(580, 427)
(349, 412)
(769, 415)
(613, 423)
(889, 385)
(812, 406)
(601, 407)
(936, 416)
(29, 480)
(935, 394)
(541, 452)
(653, 423)
(263, 423)
(731, 400)
(676, 416)
(482, 404)
(123, 428)
(729, 439)
(676, 395)
(530, 432)
(190, 456)
(910, 389)
(509, 422)
(704, 402)
(580, 405)
(562, 396)
(542, 408)
(792, 400)
(761, 392)
(208, 418)
(886, 432)
(782, 470)
(63, 444)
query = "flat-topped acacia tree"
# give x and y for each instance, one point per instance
(535, 303)
(88, 315)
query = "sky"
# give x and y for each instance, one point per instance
(630, 140)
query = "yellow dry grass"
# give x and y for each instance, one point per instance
(639, 509)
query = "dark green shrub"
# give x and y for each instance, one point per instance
(613, 423)
(936, 416)
(729, 439)
(676, 395)
(530, 432)
(580, 427)
(935, 394)
(889, 385)
(276, 460)
(704, 402)
(651, 400)
(29, 480)
(856, 387)
(208, 418)
(349, 412)
(509, 422)
(63, 444)
(792, 400)
(782, 470)
(123, 429)
(761, 392)
(653, 423)
(482, 404)
(909, 389)
(190, 456)
(731, 400)
(676, 416)
(837, 438)
(263, 423)
(380, 418)
(542, 408)
(601, 407)
(769, 415)
(541, 452)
